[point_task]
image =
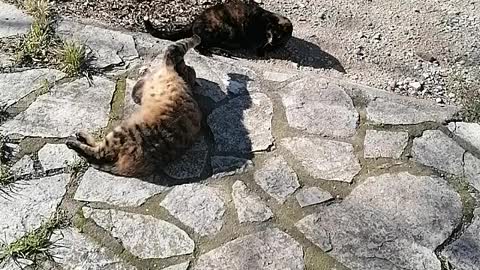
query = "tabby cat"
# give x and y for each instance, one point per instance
(235, 24)
(164, 126)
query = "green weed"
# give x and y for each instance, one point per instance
(72, 58)
(35, 244)
(35, 45)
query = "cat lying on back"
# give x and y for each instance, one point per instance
(235, 24)
(165, 125)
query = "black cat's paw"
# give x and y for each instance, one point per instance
(203, 51)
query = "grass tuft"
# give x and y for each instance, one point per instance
(72, 57)
(39, 9)
(36, 43)
(35, 244)
(42, 46)
(45, 87)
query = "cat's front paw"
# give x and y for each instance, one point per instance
(84, 137)
(72, 144)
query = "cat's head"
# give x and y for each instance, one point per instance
(279, 32)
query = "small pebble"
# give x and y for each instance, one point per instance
(416, 85)
(439, 100)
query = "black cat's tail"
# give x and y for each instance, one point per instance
(174, 35)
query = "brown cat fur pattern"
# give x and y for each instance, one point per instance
(165, 125)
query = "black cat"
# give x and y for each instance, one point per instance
(234, 24)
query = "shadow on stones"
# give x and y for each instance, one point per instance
(464, 253)
(301, 52)
(308, 54)
(229, 148)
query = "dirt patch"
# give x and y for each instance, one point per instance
(129, 14)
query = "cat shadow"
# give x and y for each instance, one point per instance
(308, 54)
(299, 51)
(226, 148)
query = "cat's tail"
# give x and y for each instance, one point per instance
(168, 35)
(175, 52)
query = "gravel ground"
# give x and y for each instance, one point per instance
(422, 48)
(129, 13)
(417, 48)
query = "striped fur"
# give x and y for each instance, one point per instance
(165, 125)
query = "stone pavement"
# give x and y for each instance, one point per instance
(293, 170)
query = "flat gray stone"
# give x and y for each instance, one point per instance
(277, 76)
(243, 125)
(270, 249)
(464, 253)
(250, 207)
(227, 165)
(13, 21)
(469, 132)
(17, 85)
(23, 166)
(388, 108)
(472, 170)
(223, 77)
(73, 249)
(435, 149)
(149, 46)
(181, 266)
(318, 107)
(197, 206)
(144, 236)
(191, 164)
(338, 161)
(391, 221)
(31, 203)
(97, 186)
(108, 47)
(66, 109)
(56, 156)
(277, 178)
(312, 195)
(384, 144)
